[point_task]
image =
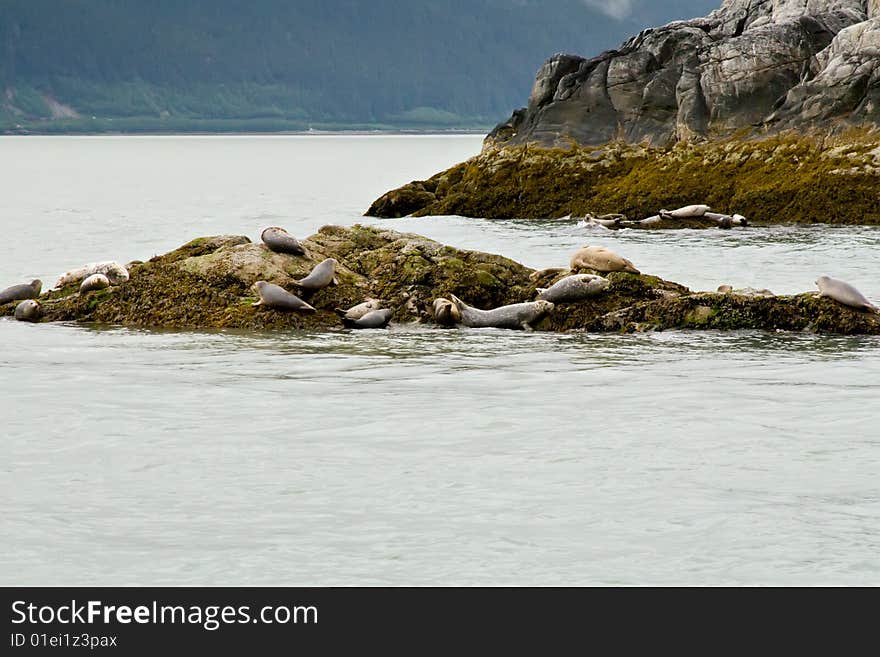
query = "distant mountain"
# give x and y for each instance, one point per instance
(275, 64)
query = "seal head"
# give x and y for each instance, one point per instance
(29, 310)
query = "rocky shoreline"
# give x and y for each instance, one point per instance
(208, 284)
(781, 179)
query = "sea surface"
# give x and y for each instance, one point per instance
(415, 456)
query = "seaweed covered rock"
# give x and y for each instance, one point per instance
(780, 179)
(208, 283)
(803, 312)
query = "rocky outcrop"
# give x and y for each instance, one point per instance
(207, 284)
(773, 180)
(750, 64)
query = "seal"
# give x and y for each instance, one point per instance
(320, 277)
(574, 288)
(116, 273)
(726, 220)
(541, 273)
(29, 311)
(19, 292)
(687, 212)
(358, 311)
(375, 319)
(515, 316)
(445, 312)
(280, 241)
(94, 282)
(277, 298)
(598, 258)
(745, 291)
(610, 221)
(844, 293)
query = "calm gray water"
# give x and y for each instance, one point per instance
(415, 456)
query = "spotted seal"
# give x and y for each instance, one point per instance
(320, 277)
(280, 241)
(358, 311)
(29, 310)
(277, 298)
(19, 292)
(116, 273)
(375, 319)
(94, 282)
(598, 258)
(445, 312)
(515, 316)
(844, 293)
(574, 288)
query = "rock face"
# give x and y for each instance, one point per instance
(207, 284)
(772, 63)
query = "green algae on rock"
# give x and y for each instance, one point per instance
(207, 283)
(779, 179)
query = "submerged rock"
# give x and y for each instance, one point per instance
(208, 283)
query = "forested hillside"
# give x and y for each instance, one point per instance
(273, 64)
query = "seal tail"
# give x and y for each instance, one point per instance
(339, 311)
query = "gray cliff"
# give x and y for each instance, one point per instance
(759, 64)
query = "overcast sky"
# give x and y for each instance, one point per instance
(614, 8)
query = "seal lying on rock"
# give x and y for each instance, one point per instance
(605, 220)
(598, 258)
(516, 316)
(18, 292)
(375, 319)
(574, 288)
(445, 312)
(726, 220)
(358, 311)
(280, 241)
(116, 273)
(94, 282)
(29, 311)
(687, 212)
(744, 291)
(320, 277)
(277, 298)
(844, 293)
